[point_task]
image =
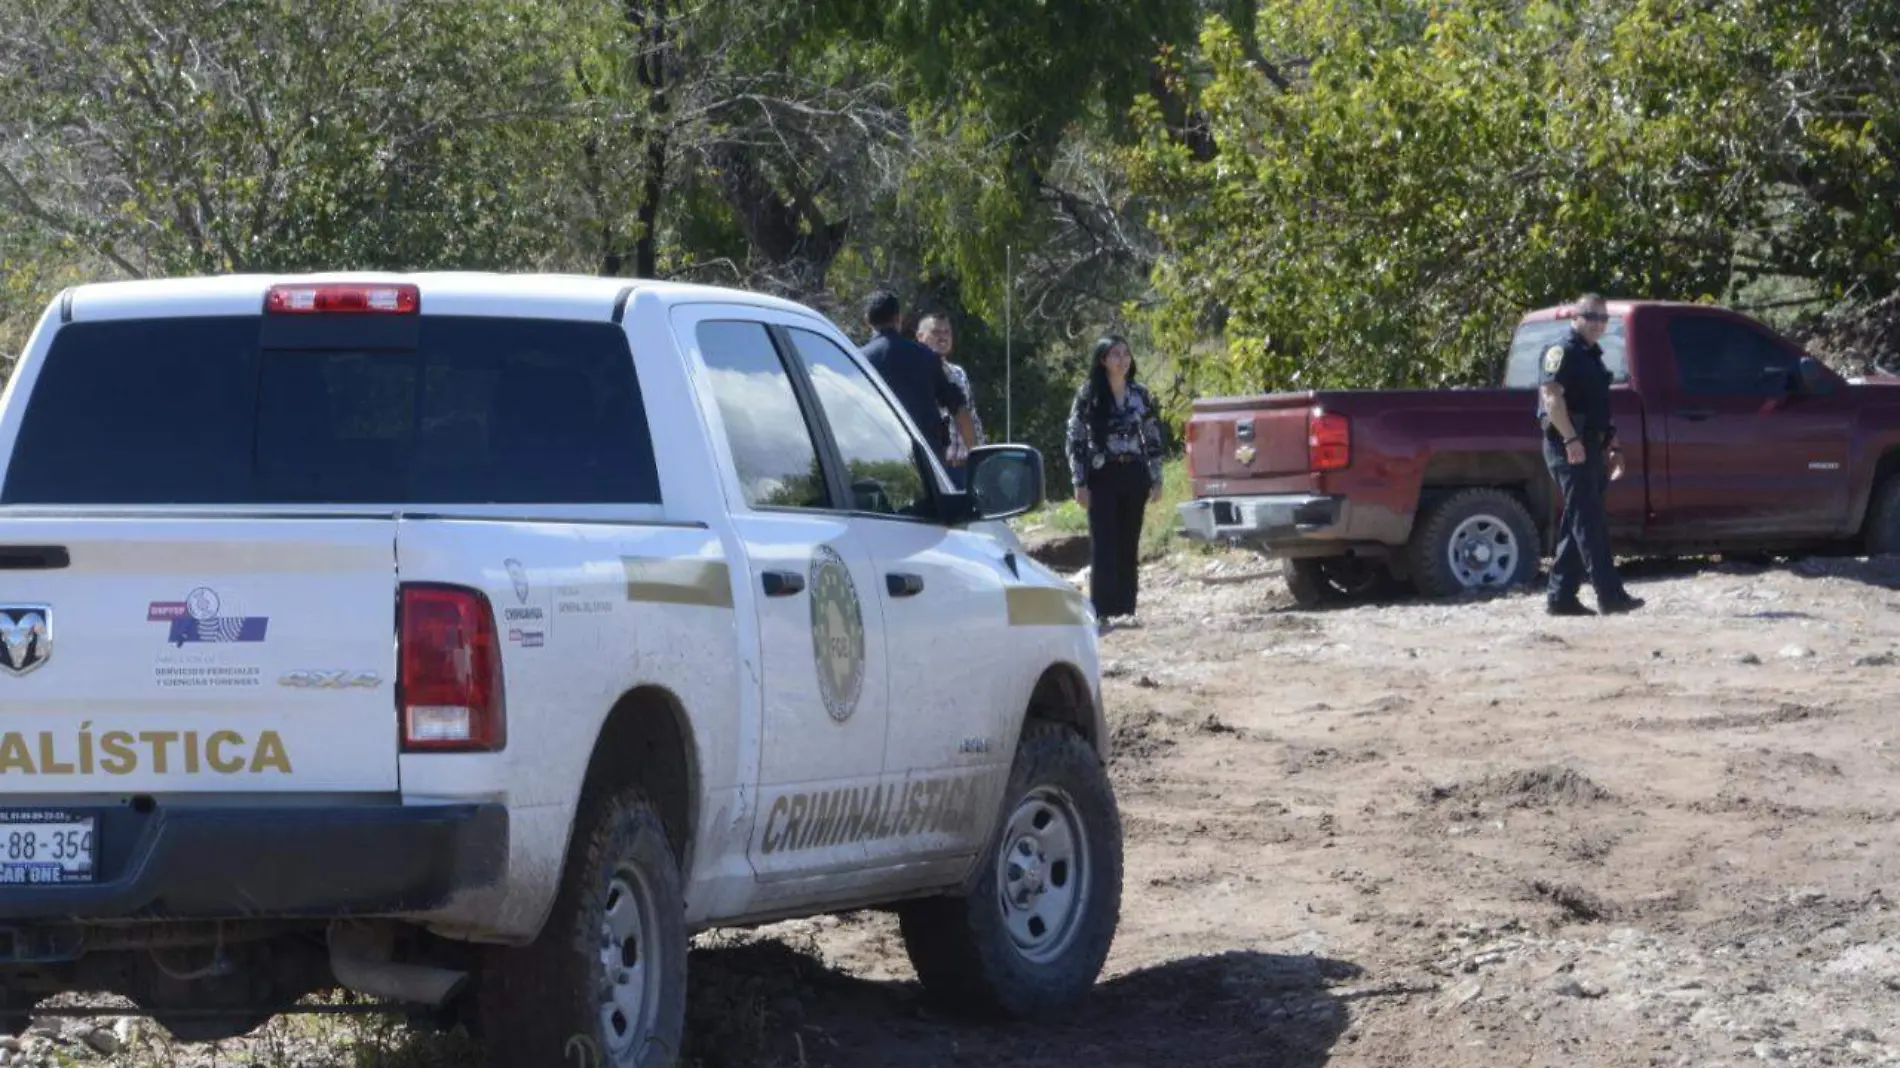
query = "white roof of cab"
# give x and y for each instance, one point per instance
(555, 296)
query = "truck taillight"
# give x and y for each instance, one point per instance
(343, 298)
(1328, 441)
(448, 687)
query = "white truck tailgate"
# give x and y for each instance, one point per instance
(197, 655)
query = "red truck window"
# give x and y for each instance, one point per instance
(1531, 339)
(1722, 357)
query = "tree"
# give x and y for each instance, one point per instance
(202, 135)
(1401, 179)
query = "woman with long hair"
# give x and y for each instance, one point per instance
(1114, 448)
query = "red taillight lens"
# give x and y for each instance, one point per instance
(1328, 441)
(343, 298)
(449, 691)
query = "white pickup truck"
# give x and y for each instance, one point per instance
(469, 640)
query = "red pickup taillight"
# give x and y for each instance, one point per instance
(448, 687)
(1328, 441)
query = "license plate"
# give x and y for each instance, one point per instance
(39, 848)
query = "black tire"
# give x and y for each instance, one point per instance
(1306, 582)
(1883, 519)
(962, 947)
(1316, 582)
(541, 1004)
(1494, 510)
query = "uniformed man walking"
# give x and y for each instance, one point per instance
(1581, 450)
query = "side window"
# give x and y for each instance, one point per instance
(879, 455)
(771, 443)
(1531, 339)
(1724, 358)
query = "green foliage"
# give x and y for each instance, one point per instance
(1435, 171)
(1301, 193)
(1432, 171)
(212, 136)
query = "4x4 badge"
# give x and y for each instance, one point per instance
(26, 637)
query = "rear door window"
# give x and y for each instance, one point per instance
(194, 411)
(1530, 341)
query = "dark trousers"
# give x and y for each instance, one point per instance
(1118, 495)
(1583, 544)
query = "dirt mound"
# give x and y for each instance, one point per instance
(1543, 787)
(1548, 785)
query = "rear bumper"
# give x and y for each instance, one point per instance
(182, 862)
(1274, 519)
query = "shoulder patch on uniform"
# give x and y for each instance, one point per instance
(1553, 359)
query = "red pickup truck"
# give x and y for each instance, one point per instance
(1735, 440)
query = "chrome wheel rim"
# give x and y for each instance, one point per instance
(1483, 551)
(629, 988)
(1042, 874)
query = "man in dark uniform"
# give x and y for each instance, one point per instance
(916, 375)
(1580, 448)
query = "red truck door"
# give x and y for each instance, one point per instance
(1747, 453)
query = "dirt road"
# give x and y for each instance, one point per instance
(1434, 834)
(1423, 834)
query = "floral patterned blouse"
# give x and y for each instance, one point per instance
(1134, 429)
(962, 380)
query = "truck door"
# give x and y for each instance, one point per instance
(1747, 454)
(823, 676)
(954, 701)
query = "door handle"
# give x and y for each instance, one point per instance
(902, 584)
(782, 583)
(1695, 415)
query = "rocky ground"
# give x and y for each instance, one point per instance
(1421, 834)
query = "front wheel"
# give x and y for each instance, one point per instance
(1883, 519)
(1475, 539)
(604, 986)
(1033, 935)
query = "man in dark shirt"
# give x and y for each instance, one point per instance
(1580, 448)
(916, 375)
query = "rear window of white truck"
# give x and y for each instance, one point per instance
(476, 410)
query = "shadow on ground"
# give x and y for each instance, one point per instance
(1879, 571)
(770, 1004)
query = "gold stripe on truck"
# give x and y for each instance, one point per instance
(1046, 606)
(706, 583)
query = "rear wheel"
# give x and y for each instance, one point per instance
(1475, 539)
(1034, 933)
(605, 983)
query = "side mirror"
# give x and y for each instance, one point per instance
(1813, 377)
(1004, 481)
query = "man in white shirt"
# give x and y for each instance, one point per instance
(935, 332)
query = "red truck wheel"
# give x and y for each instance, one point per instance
(1883, 519)
(1474, 539)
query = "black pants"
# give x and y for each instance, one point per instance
(1584, 528)
(1118, 495)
